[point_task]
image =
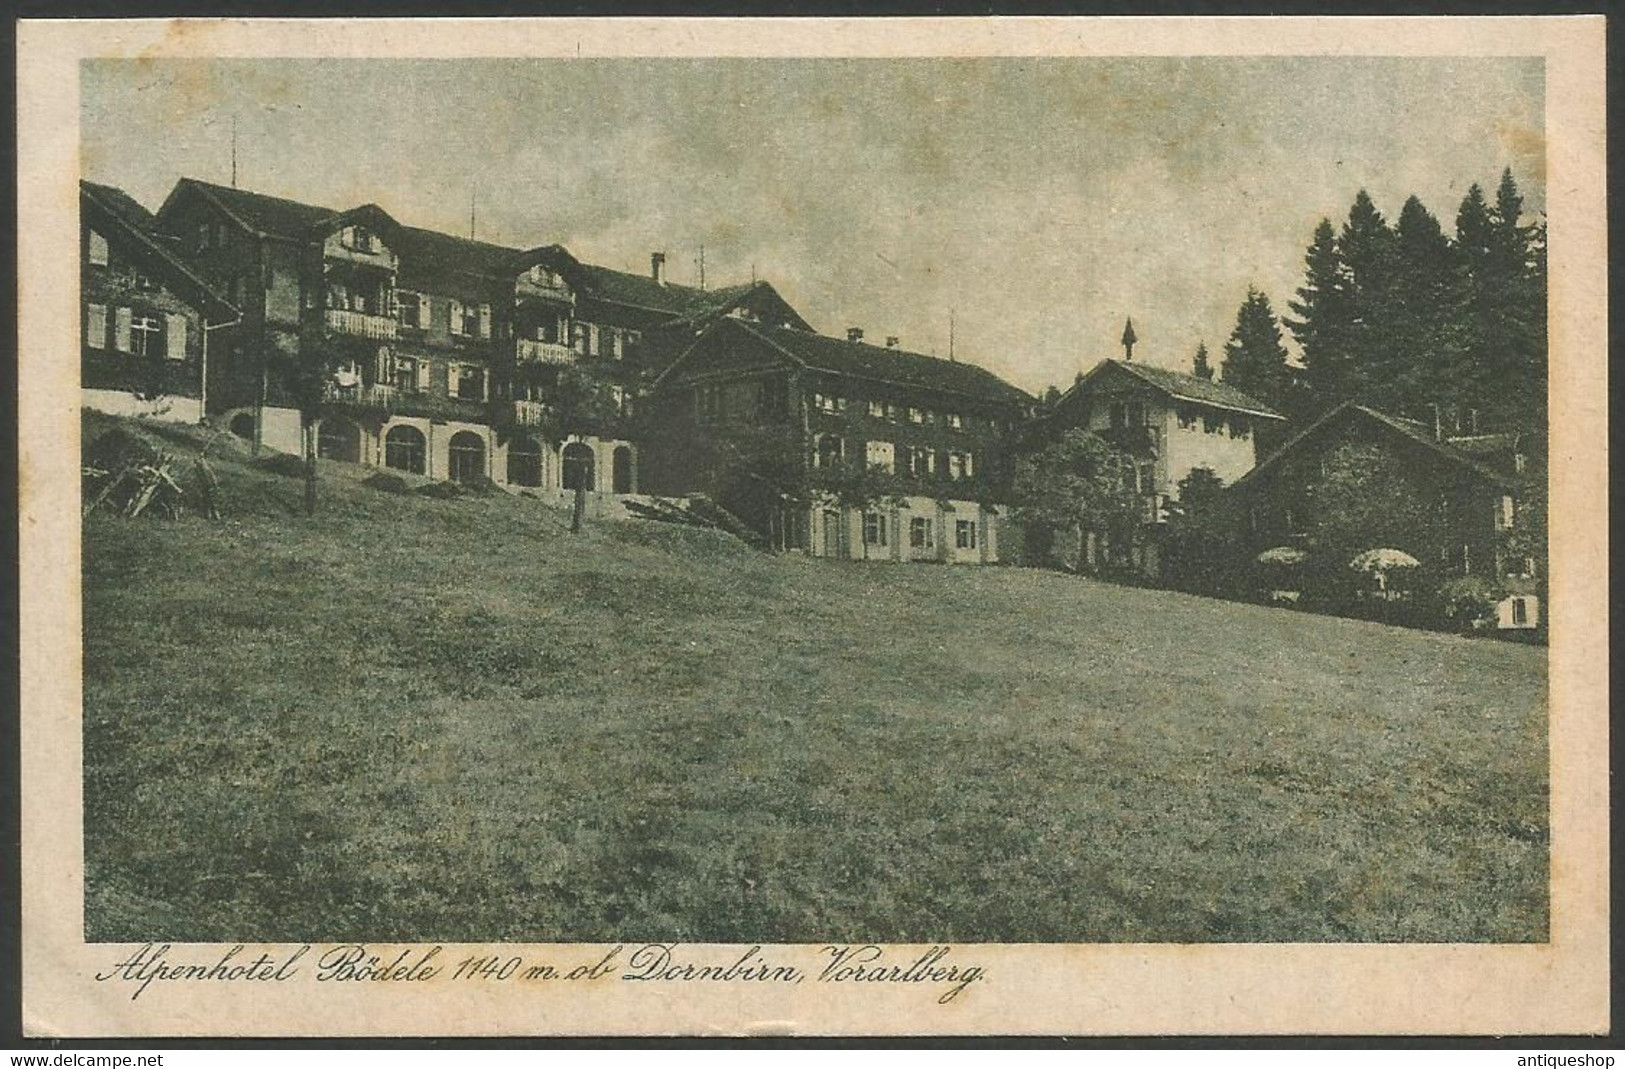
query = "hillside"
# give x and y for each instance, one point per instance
(408, 718)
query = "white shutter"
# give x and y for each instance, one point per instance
(96, 326)
(455, 317)
(121, 329)
(485, 321)
(175, 336)
(485, 385)
(451, 380)
(423, 376)
(425, 311)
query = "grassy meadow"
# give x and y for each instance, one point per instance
(418, 719)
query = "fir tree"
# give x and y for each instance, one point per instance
(1366, 249)
(1254, 358)
(1322, 322)
(1199, 363)
(1416, 341)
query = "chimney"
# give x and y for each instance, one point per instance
(854, 333)
(891, 341)
(657, 267)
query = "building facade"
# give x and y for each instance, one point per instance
(1170, 423)
(384, 344)
(1463, 506)
(862, 452)
(146, 316)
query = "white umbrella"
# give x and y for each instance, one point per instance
(1282, 555)
(1381, 560)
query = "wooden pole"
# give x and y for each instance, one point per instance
(579, 510)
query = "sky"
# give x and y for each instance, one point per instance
(1026, 206)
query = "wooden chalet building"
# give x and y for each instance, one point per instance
(1464, 505)
(936, 433)
(146, 314)
(433, 354)
(1170, 423)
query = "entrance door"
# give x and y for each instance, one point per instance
(467, 457)
(832, 534)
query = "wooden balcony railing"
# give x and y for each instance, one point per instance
(530, 351)
(527, 413)
(375, 397)
(359, 324)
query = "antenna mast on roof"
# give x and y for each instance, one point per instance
(234, 152)
(702, 267)
(950, 334)
(473, 196)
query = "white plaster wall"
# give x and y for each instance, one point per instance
(1191, 448)
(164, 409)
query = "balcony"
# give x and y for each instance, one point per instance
(558, 290)
(359, 324)
(373, 398)
(531, 351)
(526, 413)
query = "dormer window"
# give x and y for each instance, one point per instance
(98, 249)
(361, 239)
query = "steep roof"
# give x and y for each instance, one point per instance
(141, 226)
(1408, 429)
(642, 291)
(449, 254)
(860, 360)
(272, 216)
(1182, 386)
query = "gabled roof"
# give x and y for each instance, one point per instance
(448, 254)
(258, 213)
(640, 291)
(836, 356)
(1181, 386)
(141, 228)
(1407, 429)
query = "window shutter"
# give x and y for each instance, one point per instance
(96, 326)
(451, 380)
(425, 311)
(98, 249)
(454, 317)
(121, 329)
(423, 376)
(485, 385)
(485, 321)
(175, 336)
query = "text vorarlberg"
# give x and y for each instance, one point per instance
(663, 963)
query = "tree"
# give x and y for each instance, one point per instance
(1416, 344)
(1365, 256)
(1323, 318)
(1254, 358)
(1200, 540)
(1052, 396)
(1199, 363)
(1364, 500)
(1077, 485)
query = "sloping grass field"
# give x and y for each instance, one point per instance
(416, 719)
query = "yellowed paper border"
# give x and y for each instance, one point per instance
(1560, 987)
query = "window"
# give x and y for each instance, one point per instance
(409, 309)
(578, 338)
(145, 334)
(921, 532)
(1504, 513)
(1520, 612)
(98, 249)
(621, 400)
(1519, 462)
(828, 402)
(175, 337)
(915, 415)
(456, 318)
(955, 421)
(874, 528)
(411, 375)
(925, 462)
(965, 534)
(202, 236)
(466, 380)
(877, 409)
(1213, 424)
(96, 326)
(1187, 419)
(881, 455)
(829, 452)
(960, 465)
(707, 404)
(404, 449)
(631, 342)
(360, 239)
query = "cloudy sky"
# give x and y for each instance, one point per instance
(1038, 201)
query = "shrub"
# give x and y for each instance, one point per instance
(284, 464)
(440, 491)
(386, 483)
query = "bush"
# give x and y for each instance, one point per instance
(284, 464)
(117, 449)
(440, 491)
(386, 483)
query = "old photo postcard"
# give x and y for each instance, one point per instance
(893, 526)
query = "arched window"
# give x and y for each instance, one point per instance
(467, 457)
(339, 439)
(621, 470)
(404, 449)
(525, 462)
(578, 466)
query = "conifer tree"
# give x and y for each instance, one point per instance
(1254, 358)
(1416, 341)
(1366, 248)
(1199, 363)
(1322, 322)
